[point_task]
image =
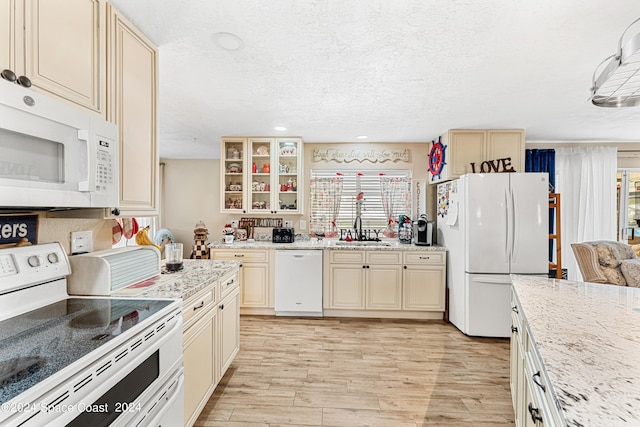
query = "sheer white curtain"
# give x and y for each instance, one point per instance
(586, 181)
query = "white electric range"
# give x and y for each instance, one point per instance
(81, 361)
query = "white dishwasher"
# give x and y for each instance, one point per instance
(298, 282)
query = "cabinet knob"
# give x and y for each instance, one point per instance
(405, 267)
(221, 306)
(24, 81)
(8, 75)
(514, 309)
(514, 329)
(115, 212)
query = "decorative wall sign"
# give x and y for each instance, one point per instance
(372, 155)
(488, 166)
(21, 229)
(437, 159)
(261, 222)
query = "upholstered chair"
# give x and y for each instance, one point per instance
(605, 261)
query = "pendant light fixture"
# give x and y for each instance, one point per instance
(618, 85)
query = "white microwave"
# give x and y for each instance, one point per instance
(54, 155)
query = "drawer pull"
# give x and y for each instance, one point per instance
(221, 306)
(514, 309)
(424, 257)
(197, 307)
(534, 412)
(238, 255)
(533, 377)
(514, 329)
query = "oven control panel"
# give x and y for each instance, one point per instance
(7, 266)
(26, 265)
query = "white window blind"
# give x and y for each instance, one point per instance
(333, 195)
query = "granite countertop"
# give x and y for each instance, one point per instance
(588, 337)
(332, 244)
(196, 275)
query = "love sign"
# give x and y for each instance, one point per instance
(498, 165)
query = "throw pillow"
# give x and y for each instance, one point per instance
(631, 270)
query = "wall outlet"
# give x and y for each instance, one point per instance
(288, 224)
(303, 224)
(81, 242)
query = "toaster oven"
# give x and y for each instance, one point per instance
(283, 235)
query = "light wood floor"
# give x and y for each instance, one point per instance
(361, 372)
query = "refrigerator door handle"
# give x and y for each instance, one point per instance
(507, 235)
(514, 217)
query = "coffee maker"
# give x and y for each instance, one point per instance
(423, 231)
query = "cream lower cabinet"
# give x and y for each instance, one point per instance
(364, 280)
(423, 279)
(257, 285)
(211, 341)
(228, 322)
(59, 46)
(385, 283)
(533, 403)
(516, 374)
(199, 355)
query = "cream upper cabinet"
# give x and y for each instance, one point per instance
(59, 46)
(132, 105)
(7, 35)
(261, 175)
(459, 152)
(233, 161)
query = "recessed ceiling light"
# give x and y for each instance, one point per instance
(280, 128)
(362, 137)
(228, 41)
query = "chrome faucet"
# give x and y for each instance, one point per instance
(357, 227)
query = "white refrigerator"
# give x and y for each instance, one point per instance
(492, 225)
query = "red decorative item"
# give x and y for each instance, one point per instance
(116, 231)
(436, 159)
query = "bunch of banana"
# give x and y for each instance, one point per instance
(142, 238)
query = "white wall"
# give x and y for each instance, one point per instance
(191, 193)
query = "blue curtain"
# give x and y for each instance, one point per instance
(544, 160)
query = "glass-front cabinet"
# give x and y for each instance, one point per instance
(232, 167)
(261, 175)
(260, 193)
(288, 174)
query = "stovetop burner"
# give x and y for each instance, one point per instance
(19, 368)
(39, 343)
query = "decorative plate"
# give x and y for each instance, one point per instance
(262, 150)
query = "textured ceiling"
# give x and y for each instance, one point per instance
(396, 71)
